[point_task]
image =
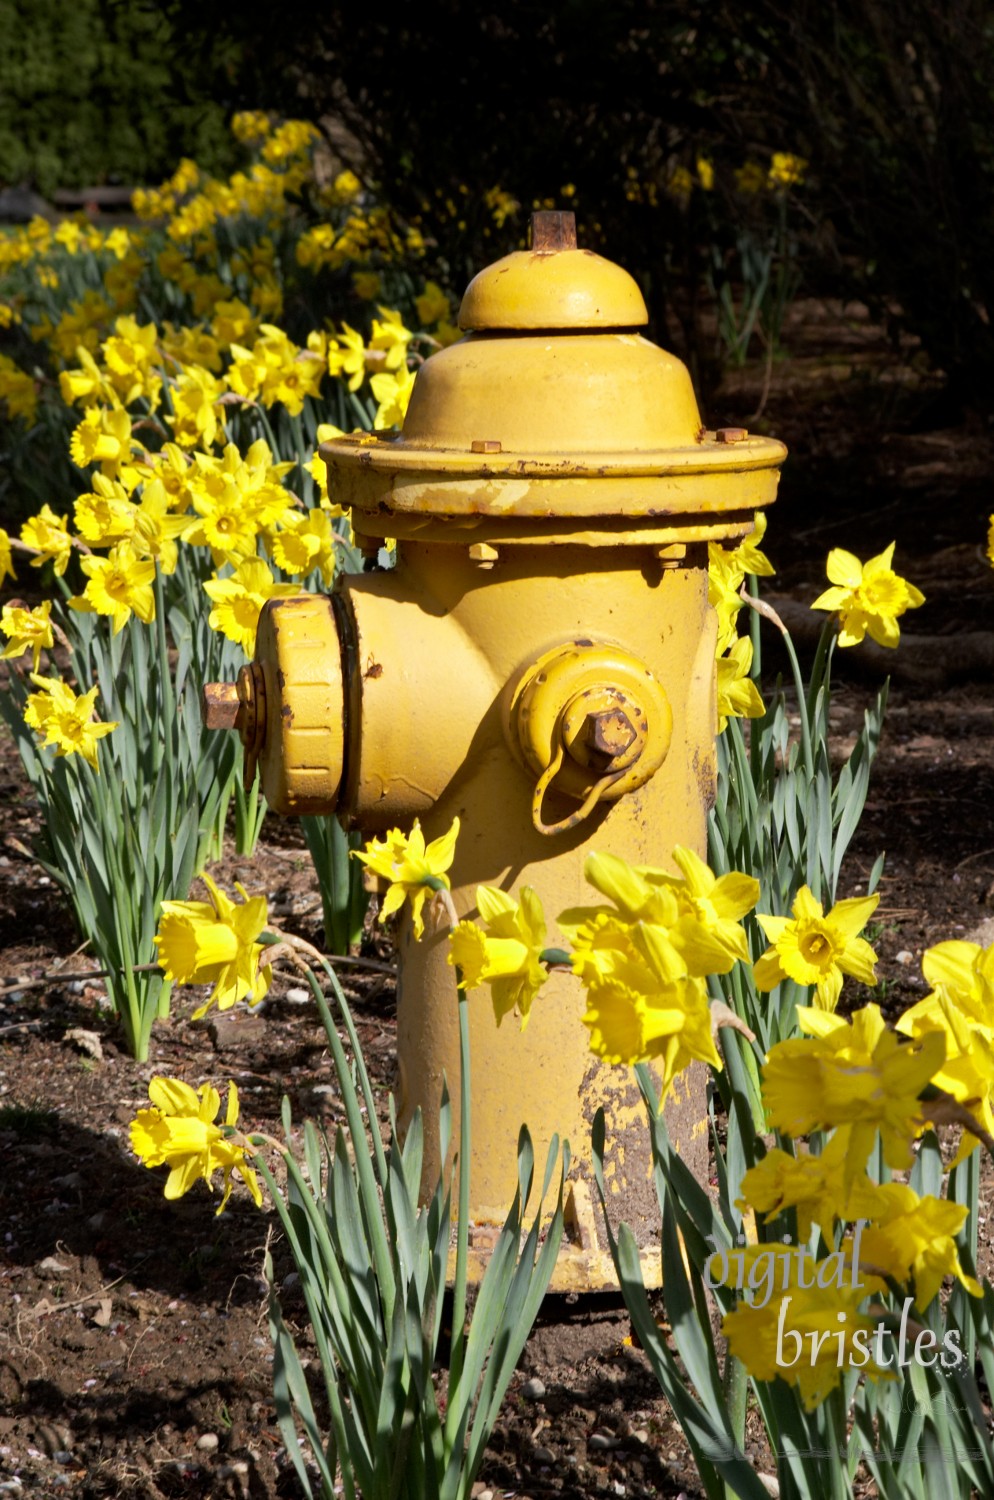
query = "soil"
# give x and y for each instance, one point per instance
(134, 1354)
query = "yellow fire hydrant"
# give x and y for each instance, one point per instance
(541, 663)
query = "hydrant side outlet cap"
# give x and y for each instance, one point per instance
(573, 289)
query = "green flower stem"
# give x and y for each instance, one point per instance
(736, 1388)
(821, 670)
(164, 740)
(250, 810)
(462, 1229)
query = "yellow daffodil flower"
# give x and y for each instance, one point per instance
(131, 356)
(432, 304)
(6, 557)
(911, 1238)
(102, 437)
(305, 542)
(119, 585)
(86, 384)
(410, 868)
(967, 1071)
(347, 356)
(105, 514)
(812, 1185)
(214, 942)
(506, 953)
(195, 417)
(964, 972)
(62, 719)
(291, 382)
(724, 581)
(179, 1132)
(393, 392)
(868, 597)
(699, 911)
(390, 335)
(46, 534)
(805, 1336)
(786, 170)
(238, 601)
(738, 695)
(318, 469)
(17, 390)
(816, 948)
(641, 1001)
(27, 630)
(856, 1073)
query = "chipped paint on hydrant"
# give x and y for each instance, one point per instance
(541, 663)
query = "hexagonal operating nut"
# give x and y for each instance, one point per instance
(609, 733)
(220, 705)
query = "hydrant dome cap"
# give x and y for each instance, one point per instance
(561, 289)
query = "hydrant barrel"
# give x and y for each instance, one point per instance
(540, 663)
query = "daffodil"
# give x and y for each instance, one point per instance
(305, 543)
(725, 578)
(105, 514)
(432, 304)
(179, 1131)
(27, 630)
(786, 170)
(642, 1003)
(119, 585)
(214, 942)
(868, 597)
(347, 356)
(506, 952)
(195, 416)
(46, 534)
(967, 1070)
(393, 392)
(410, 868)
(964, 973)
(64, 720)
(806, 1336)
(6, 557)
(817, 948)
(738, 695)
(390, 335)
(857, 1073)
(911, 1238)
(669, 1025)
(318, 469)
(708, 930)
(103, 436)
(812, 1185)
(700, 911)
(238, 601)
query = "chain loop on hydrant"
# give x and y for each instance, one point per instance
(583, 811)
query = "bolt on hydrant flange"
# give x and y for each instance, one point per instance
(541, 663)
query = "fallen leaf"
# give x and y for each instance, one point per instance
(103, 1313)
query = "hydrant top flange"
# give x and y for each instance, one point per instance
(551, 405)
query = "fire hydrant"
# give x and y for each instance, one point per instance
(540, 662)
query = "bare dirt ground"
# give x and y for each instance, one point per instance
(134, 1355)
